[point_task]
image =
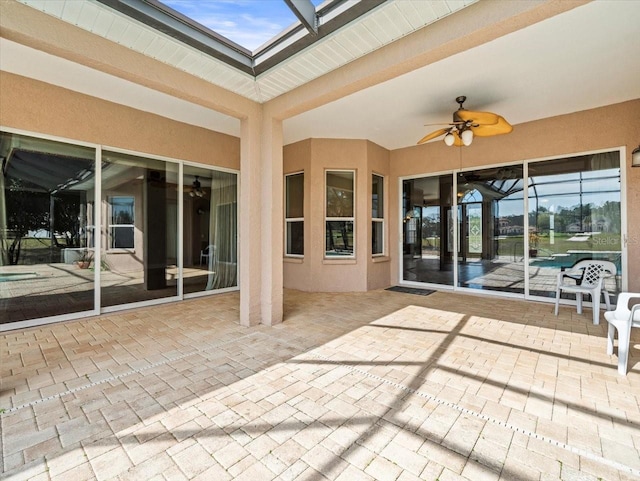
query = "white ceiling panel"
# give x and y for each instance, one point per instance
(54, 7)
(144, 41)
(117, 28)
(167, 50)
(442, 8)
(373, 30)
(377, 26)
(417, 13)
(360, 38)
(103, 23)
(71, 11)
(88, 15)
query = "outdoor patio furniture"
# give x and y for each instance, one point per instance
(593, 273)
(622, 319)
(210, 250)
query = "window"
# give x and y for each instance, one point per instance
(121, 222)
(339, 213)
(377, 215)
(294, 214)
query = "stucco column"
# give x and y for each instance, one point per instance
(272, 237)
(250, 219)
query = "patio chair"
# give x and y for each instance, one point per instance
(622, 319)
(592, 283)
(210, 250)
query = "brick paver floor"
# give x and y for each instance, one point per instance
(359, 386)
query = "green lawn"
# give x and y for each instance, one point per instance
(514, 245)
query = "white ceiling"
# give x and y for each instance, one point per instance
(582, 59)
(585, 58)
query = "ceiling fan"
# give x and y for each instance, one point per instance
(196, 189)
(468, 124)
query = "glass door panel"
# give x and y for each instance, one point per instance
(46, 228)
(491, 229)
(428, 230)
(574, 214)
(139, 235)
(210, 230)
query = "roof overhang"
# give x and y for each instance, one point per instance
(346, 31)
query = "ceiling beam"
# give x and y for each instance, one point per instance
(182, 28)
(306, 13)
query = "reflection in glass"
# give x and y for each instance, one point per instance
(139, 202)
(295, 238)
(491, 226)
(210, 230)
(339, 213)
(122, 226)
(377, 215)
(339, 238)
(574, 214)
(340, 194)
(427, 230)
(46, 228)
(294, 214)
(377, 237)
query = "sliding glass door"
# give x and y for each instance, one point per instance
(427, 230)
(54, 215)
(140, 220)
(574, 213)
(491, 226)
(46, 207)
(210, 230)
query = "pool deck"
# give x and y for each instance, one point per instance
(353, 386)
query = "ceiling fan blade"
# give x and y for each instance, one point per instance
(481, 118)
(500, 127)
(433, 135)
(459, 122)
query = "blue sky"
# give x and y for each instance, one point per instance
(249, 23)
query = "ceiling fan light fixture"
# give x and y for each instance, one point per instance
(468, 124)
(449, 139)
(196, 190)
(467, 137)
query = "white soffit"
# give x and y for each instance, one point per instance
(386, 24)
(123, 30)
(383, 25)
(35, 64)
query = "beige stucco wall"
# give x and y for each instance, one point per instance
(608, 127)
(43, 108)
(315, 272)
(378, 273)
(333, 275)
(297, 272)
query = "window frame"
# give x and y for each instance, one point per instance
(381, 216)
(111, 226)
(292, 220)
(351, 219)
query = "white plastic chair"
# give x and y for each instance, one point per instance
(622, 319)
(592, 283)
(210, 250)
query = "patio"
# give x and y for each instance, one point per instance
(352, 386)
